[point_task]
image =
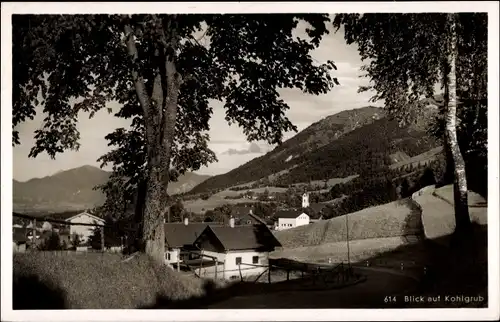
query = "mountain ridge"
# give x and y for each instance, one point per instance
(72, 189)
(314, 153)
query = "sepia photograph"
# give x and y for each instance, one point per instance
(250, 161)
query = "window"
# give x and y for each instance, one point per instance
(238, 260)
(168, 256)
(255, 259)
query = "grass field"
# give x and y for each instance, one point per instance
(438, 216)
(420, 159)
(95, 281)
(390, 220)
(200, 206)
(359, 250)
(330, 182)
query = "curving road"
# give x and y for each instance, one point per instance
(380, 283)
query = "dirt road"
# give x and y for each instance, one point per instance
(369, 294)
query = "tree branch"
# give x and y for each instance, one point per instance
(136, 77)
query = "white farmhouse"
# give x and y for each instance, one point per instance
(291, 218)
(84, 232)
(179, 236)
(229, 252)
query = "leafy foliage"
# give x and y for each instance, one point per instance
(74, 63)
(406, 59)
(177, 211)
(51, 242)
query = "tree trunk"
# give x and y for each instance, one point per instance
(160, 113)
(153, 232)
(462, 218)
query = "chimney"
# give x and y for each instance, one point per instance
(231, 222)
(186, 221)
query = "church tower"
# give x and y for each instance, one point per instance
(305, 200)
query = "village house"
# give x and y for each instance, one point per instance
(240, 213)
(245, 215)
(83, 232)
(179, 238)
(229, 252)
(292, 217)
(288, 219)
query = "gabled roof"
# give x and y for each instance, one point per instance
(244, 219)
(288, 213)
(241, 210)
(254, 216)
(88, 214)
(250, 237)
(178, 234)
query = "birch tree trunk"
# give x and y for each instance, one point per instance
(462, 218)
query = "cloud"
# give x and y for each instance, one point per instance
(253, 148)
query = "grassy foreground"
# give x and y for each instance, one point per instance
(51, 280)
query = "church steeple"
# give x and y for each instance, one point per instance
(305, 200)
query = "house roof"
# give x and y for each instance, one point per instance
(254, 216)
(88, 214)
(244, 237)
(241, 210)
(288, 213)
(178, 234)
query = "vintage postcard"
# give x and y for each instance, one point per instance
(250, 161)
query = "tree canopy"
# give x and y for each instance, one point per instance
(164, 78)
(73, 63)
(407, 55)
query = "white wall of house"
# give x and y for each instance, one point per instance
(230, 269)
(172, 255)
(302, 220)
(84, 231)
(287, 223)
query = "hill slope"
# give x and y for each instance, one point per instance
(73, 190)
(395, 219)
(337, 146)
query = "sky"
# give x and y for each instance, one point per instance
(228, 142)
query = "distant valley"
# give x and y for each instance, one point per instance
(342, 145)
(73, 190)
